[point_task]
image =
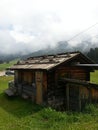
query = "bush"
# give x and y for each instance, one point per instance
(51, 114)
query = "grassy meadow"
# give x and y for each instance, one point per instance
(19, 114)
(94, 77)
(6, 65)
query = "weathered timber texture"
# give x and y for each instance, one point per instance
(79, 93)
(73, 72)
(56, 80)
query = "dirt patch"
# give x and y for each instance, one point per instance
(2, 73)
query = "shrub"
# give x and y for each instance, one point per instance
(51, 114)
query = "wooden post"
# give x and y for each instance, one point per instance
(67, 96)
(39, 87)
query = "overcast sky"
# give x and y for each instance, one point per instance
(29, 25)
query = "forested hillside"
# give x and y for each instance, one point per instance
(61, 47)
(93, 54)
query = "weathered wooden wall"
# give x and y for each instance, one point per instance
(79, 95)
(65, 96)
(39, 87)
(55, 91)
(94, 93)
(25, 76)
(85, 96)
(73, 72)
(50, 86)
(58, 93)
(25, 80)
(44, 86)
(71, 96)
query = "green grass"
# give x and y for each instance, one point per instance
(94, 77)
(19, 114)
(6, 65)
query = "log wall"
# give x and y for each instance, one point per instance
(73, 72)
(25, 76)
(24, 81)
(85, 96)
(58, 94)
(55, 91)
(39, 87)
(44, 86)
(50, 86)
(62, 96)
(94, 95)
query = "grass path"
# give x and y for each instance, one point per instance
(2, 73)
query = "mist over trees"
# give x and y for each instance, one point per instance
(86, 47)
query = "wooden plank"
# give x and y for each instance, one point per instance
(39, 78)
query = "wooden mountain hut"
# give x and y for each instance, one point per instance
(61, 81)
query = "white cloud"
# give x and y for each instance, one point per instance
(34, 24)
(21, 37)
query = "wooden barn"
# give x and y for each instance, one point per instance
(61, 81)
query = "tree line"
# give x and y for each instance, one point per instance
(60, 48)
(93, 54)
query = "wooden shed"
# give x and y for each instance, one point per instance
(59, 81)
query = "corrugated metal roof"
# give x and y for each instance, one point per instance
(44, 62)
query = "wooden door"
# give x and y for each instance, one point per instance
(73, 97)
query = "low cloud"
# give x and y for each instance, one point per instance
(30, 25)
